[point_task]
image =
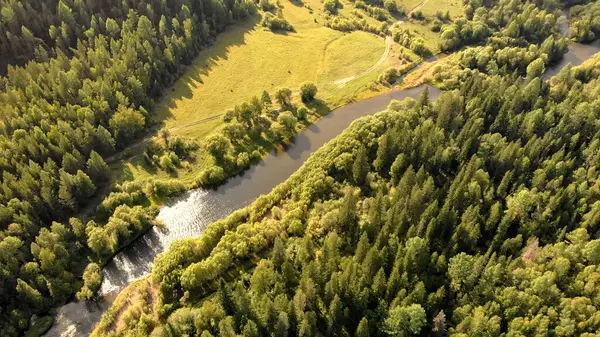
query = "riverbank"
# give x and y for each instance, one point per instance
(138, 263)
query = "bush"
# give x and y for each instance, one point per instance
(436, 26)
(212, 175)
(301, 113)
(391, 6)
(243, 160)
(159, 189)
(389, 75)
(331, 6)
(275, 22)
(418, 15)
(308, 90)
(256, 155)
(418, 46)
(267, 5)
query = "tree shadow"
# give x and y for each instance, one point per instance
(201, 66)
(319, 107)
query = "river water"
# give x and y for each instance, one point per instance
(189, 214)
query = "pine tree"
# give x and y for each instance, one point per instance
(383, 152)
(360, 168)
(363, 328)
(97, 168)
(226, 298)
(278, 254)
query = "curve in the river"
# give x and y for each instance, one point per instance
(188, 215)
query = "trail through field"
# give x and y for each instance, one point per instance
(388, 46)
(419, 6)
(386, 52)
(341, 83)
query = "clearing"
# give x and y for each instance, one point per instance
(247, 59)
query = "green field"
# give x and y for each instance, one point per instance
(248, 59)
(431, 7)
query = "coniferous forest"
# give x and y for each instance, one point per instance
(475, 214)
(94, 70)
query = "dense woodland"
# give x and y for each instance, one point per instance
(585, 22)
(95, 69)
(475, 215)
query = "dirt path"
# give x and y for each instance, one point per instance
(386, 53)
(388, 46)
(419, 6)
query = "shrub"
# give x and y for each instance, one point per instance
(436, 26)
(256, 155)
(417, 15)
(418, 46)
(212, 175)
(275, 22)
(267, 5)
(308, 90)
(243, 160)
(391, 6)
(331, 6)
(302, 112)
(389, 75)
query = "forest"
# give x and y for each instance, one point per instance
(474, 215)
(93, 71)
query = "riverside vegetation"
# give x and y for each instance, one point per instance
(80, 83)
(94, 70)
(476, 215)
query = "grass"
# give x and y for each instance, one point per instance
(408, 5)
(455, 7)
(431, 7)
(432, 39)
(247, 59)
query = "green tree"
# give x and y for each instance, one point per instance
(405, 321)
(363, 328)
(266, 99)
(217, 145)
(308, 91)
(284, 97)
(535, 69)
(97, 168)
(360, 167)
(126, 124)
(92, 280)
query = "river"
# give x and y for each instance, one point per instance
(189, 214)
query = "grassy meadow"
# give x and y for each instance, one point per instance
(431, 7)
(248, 58)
